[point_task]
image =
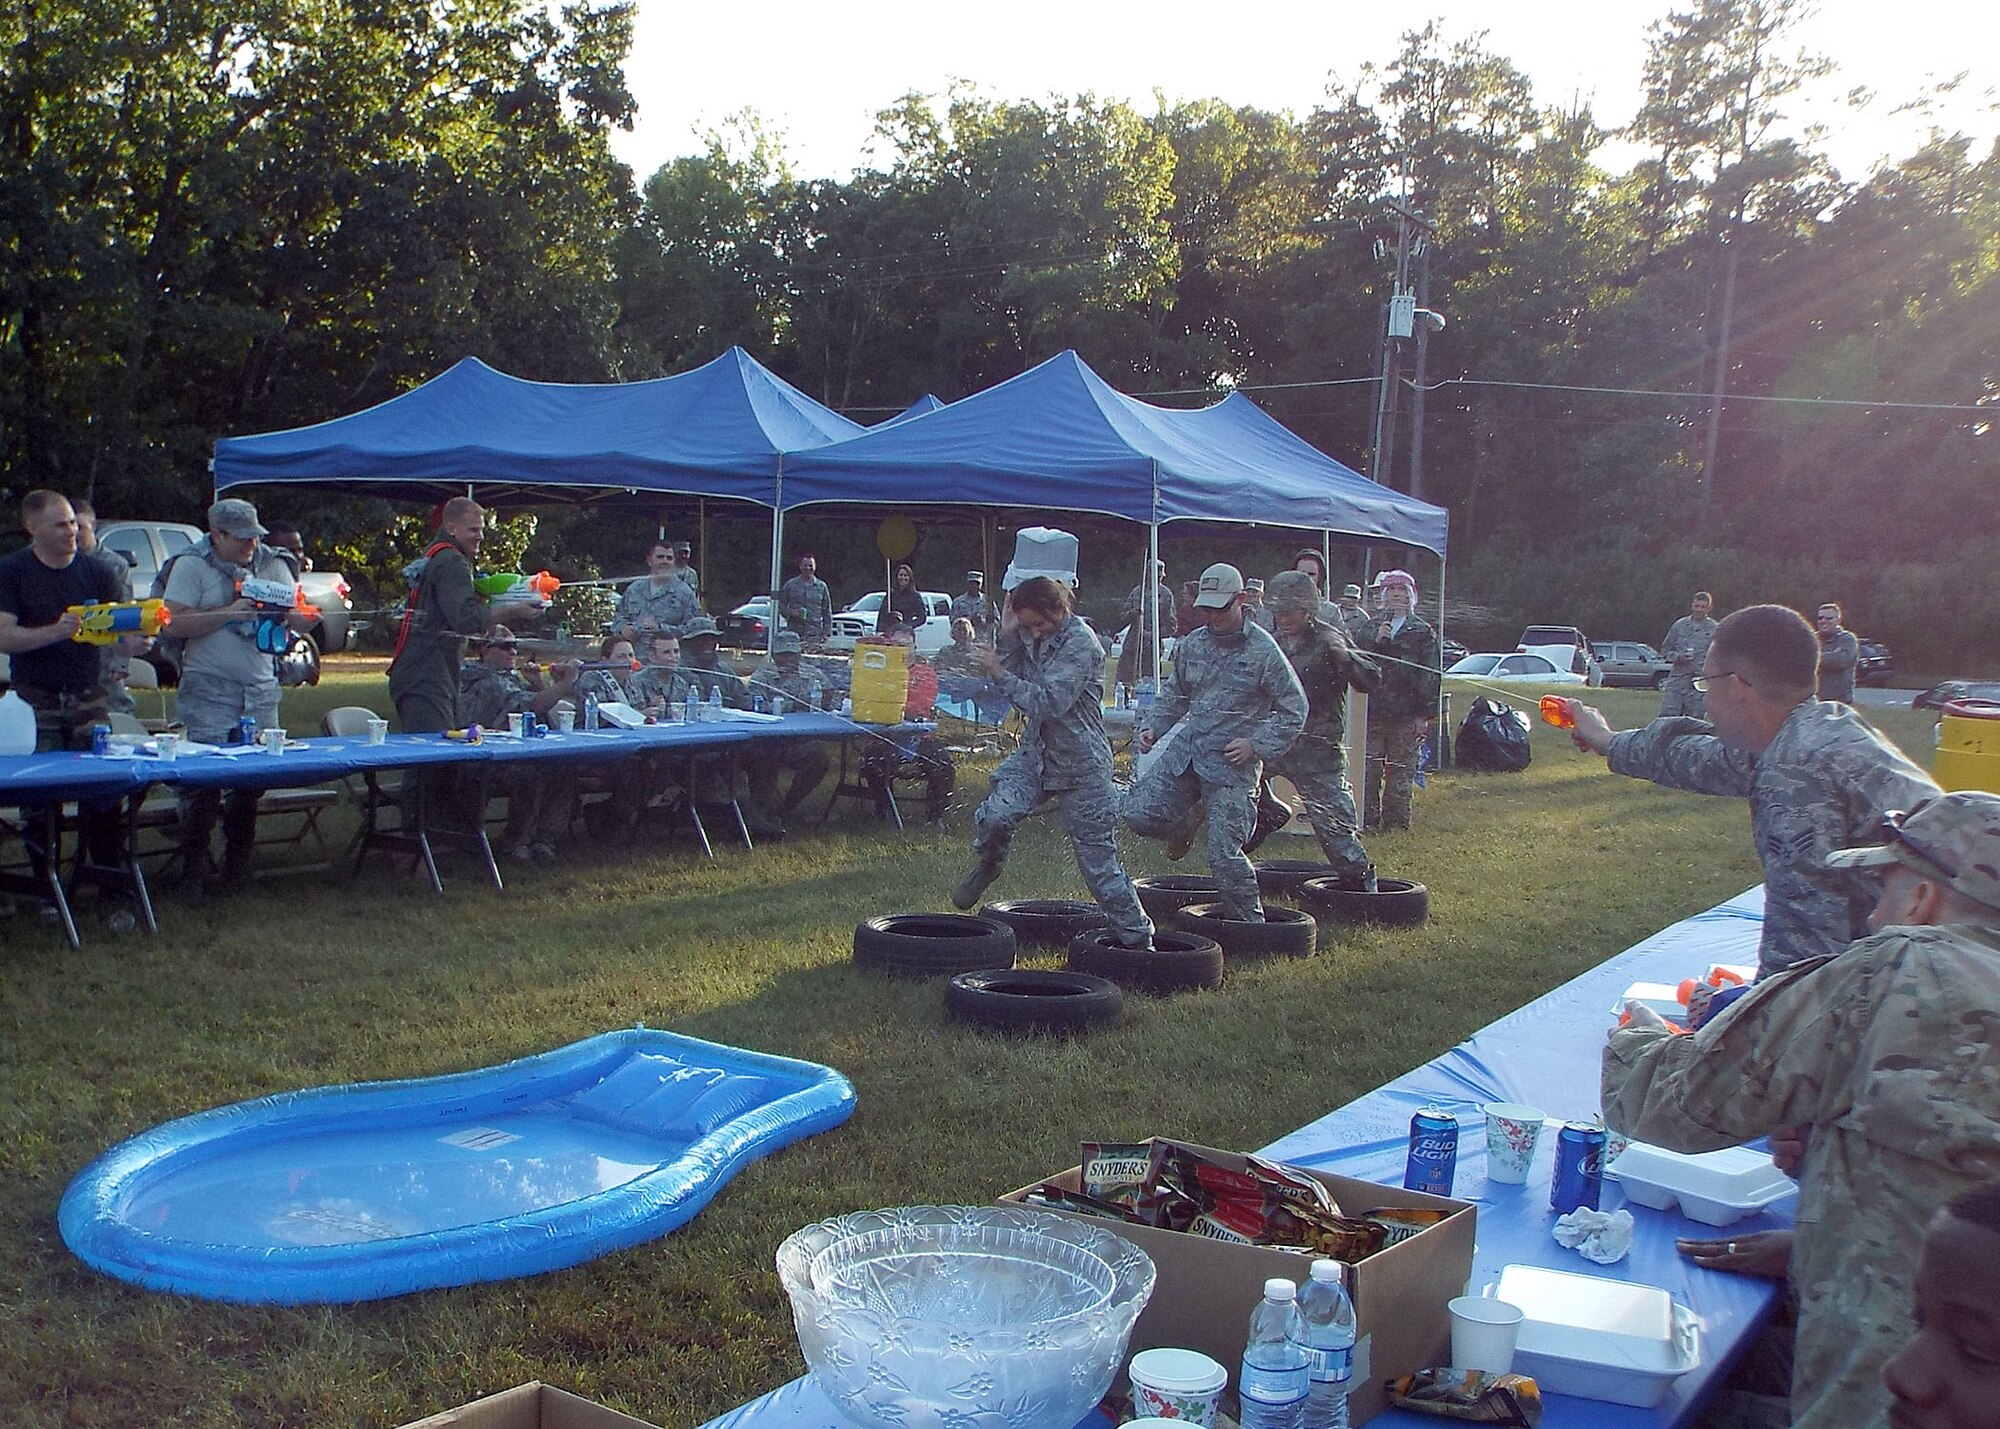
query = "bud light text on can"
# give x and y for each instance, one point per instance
(1433, 1152)
(100, 739)
(246, 730)
(1579, 1177)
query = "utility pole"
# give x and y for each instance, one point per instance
(1413, 233)
(1423, 327)
(1712, 439)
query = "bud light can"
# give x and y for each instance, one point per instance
(1433, 1152)
(1579, 1178)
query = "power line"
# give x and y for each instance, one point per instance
(1985, 411)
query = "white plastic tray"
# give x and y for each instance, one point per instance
(1598, 1338)
(1716, 1188)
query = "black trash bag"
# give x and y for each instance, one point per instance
(1494, 736)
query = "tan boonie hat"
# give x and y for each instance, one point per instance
(787, 642)
(1351, 592)
(233, 517)
(1292, 590)
(1956, 836)
(1220, 585)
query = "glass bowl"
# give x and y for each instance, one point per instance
(963, 1317)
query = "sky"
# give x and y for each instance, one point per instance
(818, 73)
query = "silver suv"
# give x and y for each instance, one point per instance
(148, 545)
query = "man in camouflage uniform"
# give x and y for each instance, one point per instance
(1401, 711)
(539, 796)
(1317, 765)
(805, 603)
(1839, 653)
(658, 600)
(1354, 618)
(1241, 705)
(1052, 668)
(1883, 1054)
(1138, 632)
(702, 666)
(659, 682)
(786, 679)
(1685, 647)
(974, 606)
(114, 661)
(1817, 775)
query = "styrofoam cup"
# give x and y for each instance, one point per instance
(517, 725)
(565, 718)
(273, 741)
(378, 731)
(1511, 1132)
(1483, 1332)
(1184, 1385)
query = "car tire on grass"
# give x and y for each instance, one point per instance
(1281, 877)
(1283, 932)
(1659, 679)
(1163, 895)
(932, 944)
(1396, 903)
(1030, 1000)
(1045, 922)
(1176, 962)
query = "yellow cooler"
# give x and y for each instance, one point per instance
(1968, 752)
(880, 683)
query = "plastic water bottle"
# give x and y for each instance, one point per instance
(590, 711)
(1275, 1380)
(1123, 698)
(714, 714)
(1328, 1316)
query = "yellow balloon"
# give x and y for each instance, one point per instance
(896, 538)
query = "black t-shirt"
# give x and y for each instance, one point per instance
(35, 595)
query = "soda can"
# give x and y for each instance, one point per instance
(757, 704)
(100, 739)
(1433, 1152)
(1579, 1177)
(246, 730)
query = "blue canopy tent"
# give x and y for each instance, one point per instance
(1060, 438)
(922, 407)
(719, 430)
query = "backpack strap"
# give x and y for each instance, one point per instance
(410, 606)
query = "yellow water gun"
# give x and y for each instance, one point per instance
(107, 621)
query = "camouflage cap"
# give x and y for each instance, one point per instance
(1350, 592)
(1292, 590)
(698, 627)
(787, 642)
(1954, 835)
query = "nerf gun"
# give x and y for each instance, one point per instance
(105, 621)
(275, 601)
(511, 586)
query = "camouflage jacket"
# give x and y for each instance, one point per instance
(1837, 659)
(486, 696)
(975, 608)
(807, 607)
(1823, 785)
(1228, 687)
(704, 678)
(1410, 671)
(1886, 1053)
(1688, 636)
(1057, 683)
(1326, 666)
(1163, 609)
(797, 688)
(608, 685)
(669, 607)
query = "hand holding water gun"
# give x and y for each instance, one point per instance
(105, 622)
(276, 603)
(1704, 998)
(1591, 731)
(513, 588)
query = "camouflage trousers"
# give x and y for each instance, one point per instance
(1162, 805)
(1390, 780)
(1090, 817)
(1678, 696)
(1329, 801)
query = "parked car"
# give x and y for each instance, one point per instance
(1452, 651)
(1631, 664)
(1937, 696)
(858, 620)
(148, 545)
(1876, 665)
(1514, 668)
(748, 627)
(1565, 647)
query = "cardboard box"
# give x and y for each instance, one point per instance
(530, 1406)
(1206, 1288)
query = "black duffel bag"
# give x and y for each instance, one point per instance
(1494, 736)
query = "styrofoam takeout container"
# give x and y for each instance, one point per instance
(1597, 1338)
(1717, 1188)
(1663, 997)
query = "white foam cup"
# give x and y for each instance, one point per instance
(1183, 1385)
(273, 741)
(378, 731)
(1483, 1332)
(565, 718)
(1511, 1133)
(517, 725)
(167, 746)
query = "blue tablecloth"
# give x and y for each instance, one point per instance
(1546, 1055)
(39, 778)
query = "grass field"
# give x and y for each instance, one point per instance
(310, 980)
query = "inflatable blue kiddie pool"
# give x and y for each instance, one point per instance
(372, 1189)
